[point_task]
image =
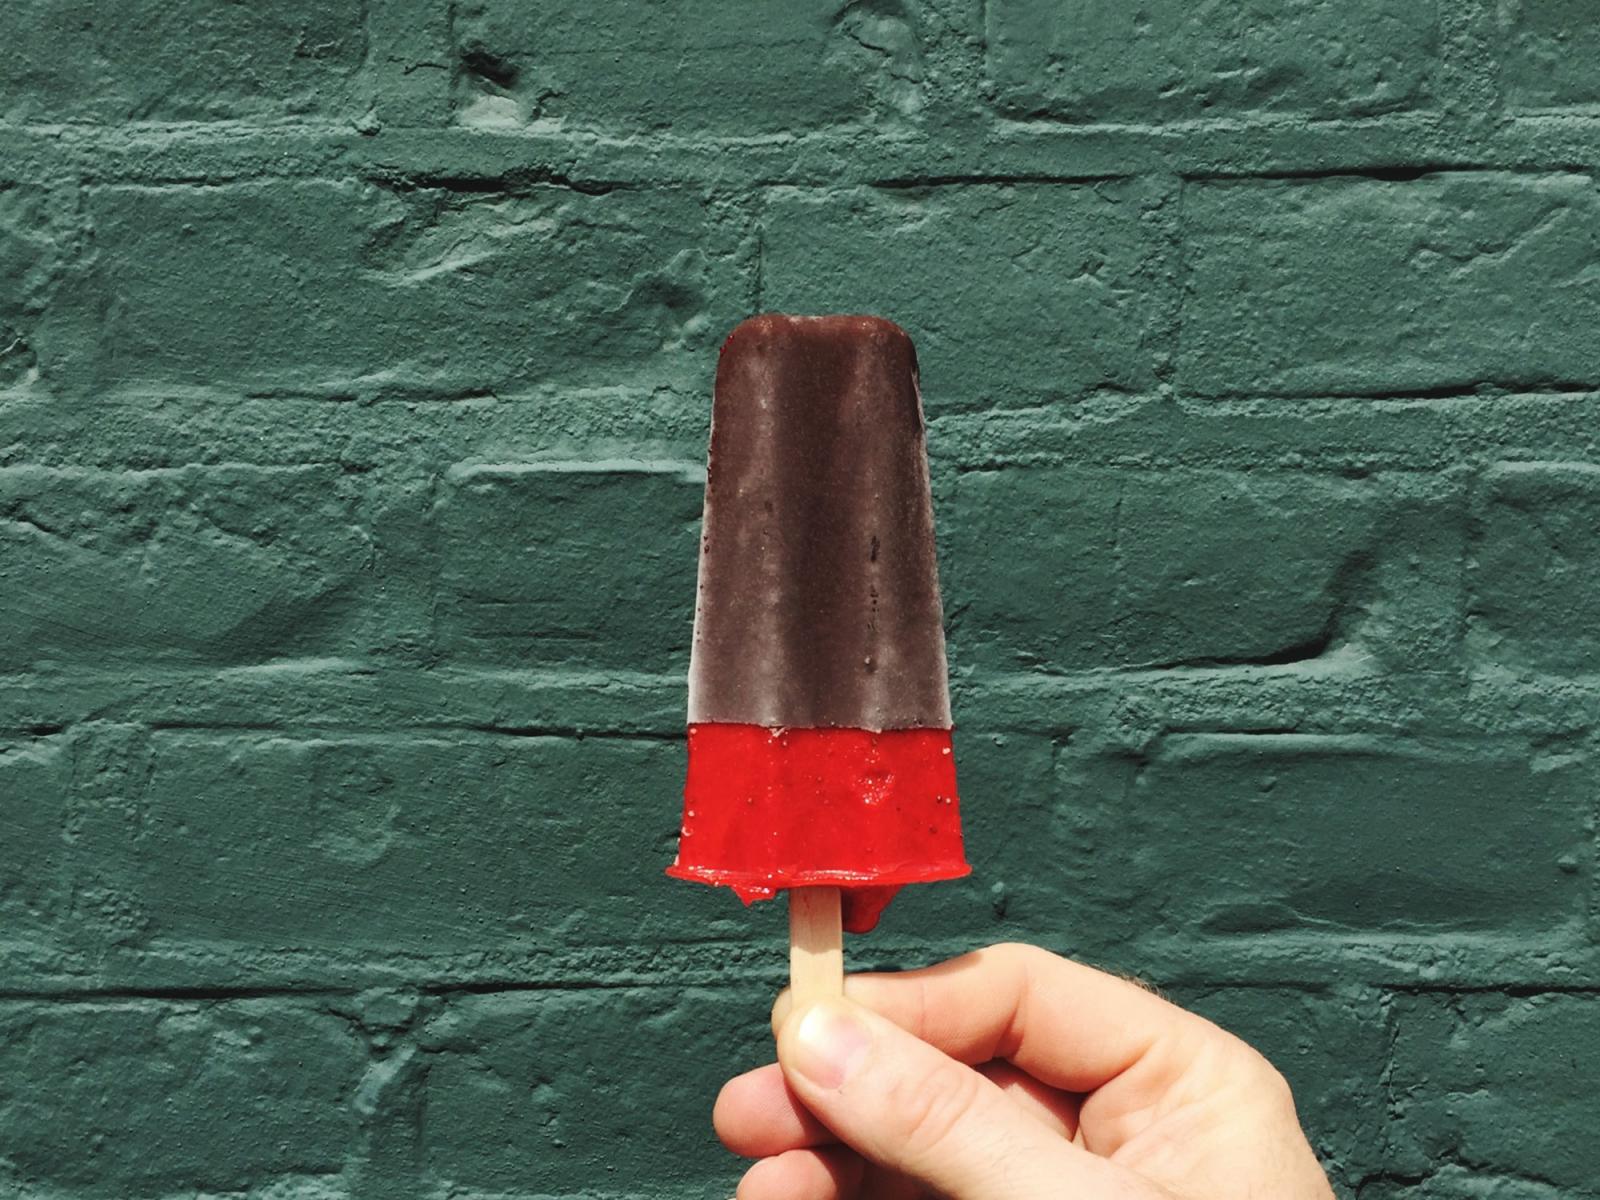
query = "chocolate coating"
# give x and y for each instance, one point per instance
(818, 601)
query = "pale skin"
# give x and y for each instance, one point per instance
(1012, 1074)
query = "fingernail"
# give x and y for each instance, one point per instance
(829, 1043)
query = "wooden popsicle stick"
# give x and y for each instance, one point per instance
(816, 944)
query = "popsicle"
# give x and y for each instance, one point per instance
(819, 713)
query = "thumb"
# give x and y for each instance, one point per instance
(909, 1107)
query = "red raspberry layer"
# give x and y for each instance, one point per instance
(864, 810)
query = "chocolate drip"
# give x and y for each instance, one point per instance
(818, 600)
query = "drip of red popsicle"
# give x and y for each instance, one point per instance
(819, 709)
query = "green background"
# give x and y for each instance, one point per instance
(355, 360)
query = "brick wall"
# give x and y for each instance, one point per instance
(354, 375)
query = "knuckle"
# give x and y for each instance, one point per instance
(1276, 1087)
(1014, 953)
(1266, 1082)
(1021, 964)
(1012, 964)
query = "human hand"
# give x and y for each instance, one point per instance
(1012, 1074)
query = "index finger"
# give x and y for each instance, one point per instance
(1067, 1025)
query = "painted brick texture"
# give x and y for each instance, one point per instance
(355, 364)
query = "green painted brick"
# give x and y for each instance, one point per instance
(520, 546)
(1547, 48)
(35, 779)
(1104, 60)
(36, 235)
(407, 73)
(441, 843)
(552, 1093)
(338, 433)
(1500, 1084)
(704, 67)
(1362, 286)
(1535, 555)
(332, 286)
(226, 564)
(101, 814)
(148, 1098)
(1062, 568)
(1240, 834)
(1014, 294)
(153, 60)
